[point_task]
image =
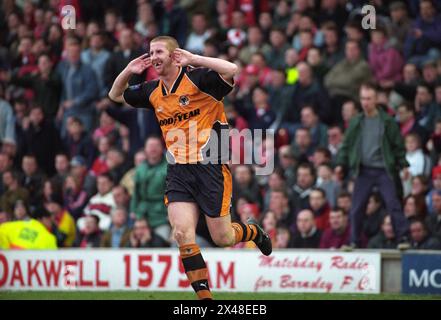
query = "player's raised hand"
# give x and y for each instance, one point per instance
(139, 64)
(183, 57)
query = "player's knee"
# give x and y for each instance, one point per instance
(181, 236)
(223, 239)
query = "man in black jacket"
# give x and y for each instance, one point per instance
(37, 136)
(307, 235)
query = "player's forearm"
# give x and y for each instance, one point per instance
(225, 68)
(119, 86)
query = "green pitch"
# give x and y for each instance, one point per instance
(138, 295)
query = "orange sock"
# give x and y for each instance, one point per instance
(244, 232)
(196, 270)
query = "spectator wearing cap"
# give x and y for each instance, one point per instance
(307, 235)
(338, 233)
(101, 204)
(90, 235)
(63, 220)
(118, 235)
(424, 38)
(421, 238)
(385, 61)
(14, 192)
(385, 238)
(400, 24)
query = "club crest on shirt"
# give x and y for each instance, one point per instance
(184, 101)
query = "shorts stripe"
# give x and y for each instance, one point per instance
(228, 188)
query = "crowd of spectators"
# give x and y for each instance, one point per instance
(93, 172)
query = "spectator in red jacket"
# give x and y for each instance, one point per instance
(337, 235)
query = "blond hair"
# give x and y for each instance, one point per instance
(170, 43)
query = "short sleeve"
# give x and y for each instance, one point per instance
(138, 95)
(210, 82)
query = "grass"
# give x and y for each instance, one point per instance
(138, 295)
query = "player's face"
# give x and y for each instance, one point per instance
(161, 58)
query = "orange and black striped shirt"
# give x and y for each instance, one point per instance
(189, 114)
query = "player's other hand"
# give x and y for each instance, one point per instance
(183, 58)
(138, 65)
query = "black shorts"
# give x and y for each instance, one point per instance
(208, 185)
